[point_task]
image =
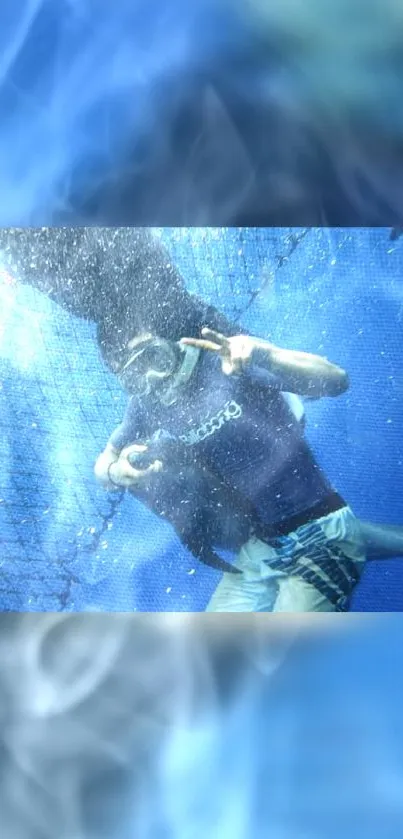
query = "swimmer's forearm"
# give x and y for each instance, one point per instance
(302, 373)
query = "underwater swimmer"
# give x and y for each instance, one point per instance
(226, 403)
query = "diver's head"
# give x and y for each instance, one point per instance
(151, 364)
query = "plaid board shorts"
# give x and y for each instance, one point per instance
(312, 569)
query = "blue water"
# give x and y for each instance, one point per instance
(153, 113)
(65, 544)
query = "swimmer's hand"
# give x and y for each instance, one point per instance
(304, 374)
(114, 471)
(235, 352)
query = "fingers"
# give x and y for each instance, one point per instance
(130, 472)
(200, 344)
(154, 467)
(135, 448)
(215, 337)
(229, 367)
(216, 342)
(125, 475)
(211, 341)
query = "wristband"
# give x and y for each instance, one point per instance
(261, 356)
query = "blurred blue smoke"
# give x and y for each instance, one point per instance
(199, 113)
(119, 728)
(79, 80)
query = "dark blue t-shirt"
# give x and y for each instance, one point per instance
(243, 428)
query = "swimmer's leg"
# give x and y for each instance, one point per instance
(261, 589)
(382, 541)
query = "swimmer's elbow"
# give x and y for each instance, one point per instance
(338, 384)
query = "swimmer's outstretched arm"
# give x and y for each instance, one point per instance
(382, 541)
(302, 373)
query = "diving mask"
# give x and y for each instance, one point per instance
(152, 363)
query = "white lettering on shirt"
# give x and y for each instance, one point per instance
(231, 411)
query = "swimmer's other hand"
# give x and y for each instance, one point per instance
(121, 473)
